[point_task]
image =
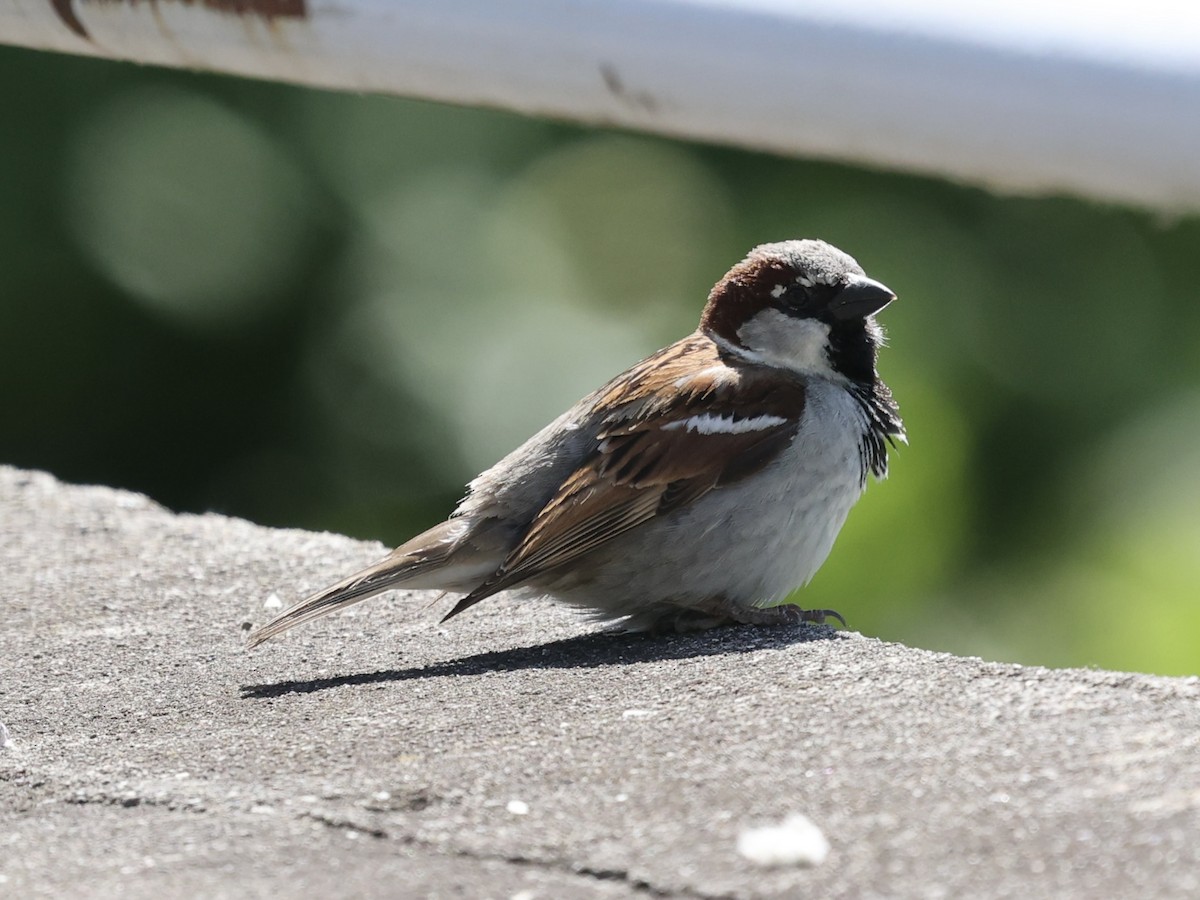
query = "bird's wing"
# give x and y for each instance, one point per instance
(682, 423)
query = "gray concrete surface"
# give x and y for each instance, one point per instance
(378, 754)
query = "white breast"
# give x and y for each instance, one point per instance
(783, 524)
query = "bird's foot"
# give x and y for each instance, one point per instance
(817, 616)
(725, 612)
(783, 614)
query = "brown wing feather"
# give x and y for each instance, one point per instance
(647, 461)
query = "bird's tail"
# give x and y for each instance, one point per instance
(358, 587)
(430, 560)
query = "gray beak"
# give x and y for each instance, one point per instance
(860, 298)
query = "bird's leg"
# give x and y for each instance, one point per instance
(721, 611)
(783, 614)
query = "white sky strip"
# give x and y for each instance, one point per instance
(708, 423)
(1096, 99)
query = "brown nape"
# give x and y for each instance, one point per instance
(744, 291)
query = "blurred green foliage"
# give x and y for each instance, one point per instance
(330, 311)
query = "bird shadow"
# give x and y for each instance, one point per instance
(585, 651)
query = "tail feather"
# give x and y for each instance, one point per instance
(480, 593)
(358, 587)
(448, 557)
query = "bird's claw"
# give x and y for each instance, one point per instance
(784, 614)
(817, 616)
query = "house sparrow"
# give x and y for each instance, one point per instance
(697, 488)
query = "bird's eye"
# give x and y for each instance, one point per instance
(801, 298)
(798, 296)
(791, 296)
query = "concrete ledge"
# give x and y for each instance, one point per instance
(512, 753)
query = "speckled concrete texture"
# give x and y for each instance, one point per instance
(516, 753)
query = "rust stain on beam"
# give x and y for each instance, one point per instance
(67, 13)
(263, 9)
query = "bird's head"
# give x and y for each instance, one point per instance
(803, 306)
